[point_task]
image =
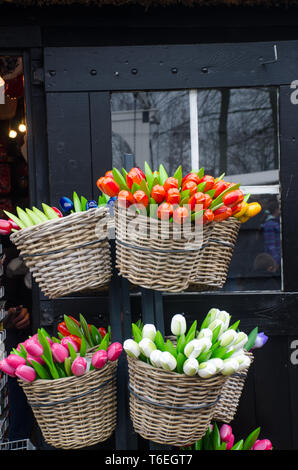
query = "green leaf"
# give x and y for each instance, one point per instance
(40, 214)
(185, 193)
(83, 347)
(216, 437)
(197, 215)
(246, 197)
(124, 172)
(67, 366)
(178, 175)
(181, 343)
(104, 344)
(163, 175)
(220, 177)
(60, 369)
(159, 341)
(149, 175)
(251, 439)
(53, 371)
(251, 339)
(72, 327)
(201, 187)
(171, 348)
(83, 203)
(215, 334)
(211, 192)
(191, 332)
(234, 326)
(238, 445)
(136, 333)
(34, 217)
(86, 331)
(219, 352)
(199, 445)
(139, 324)
(15, 219)
(228, 354)
(135, 187)
(23, 351)
(200, 173)
(96, 337)
(77, 202)
(223, 446)
(72, 352)
(45, 345)
(41, 371)
(25, 217)
(49, 212)
(144, 187)
(119, 179)
(180, 362)
(217, 207)
(204, 356)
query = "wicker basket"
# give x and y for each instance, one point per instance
(75, 412)
(227, 405)
(171, 408)
(157, 255)
(69, 254)
(215, 256)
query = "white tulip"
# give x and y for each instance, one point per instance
(178, 325)
(195, 347)
(167, 361)
(227, 338)
(190, 366)
(131, 348)
(147, 346)
(206, 369)
(217, 362)
(240, 341)
(244, 361)
(149, 331)
(215, 324)
(225, 317)
(205, 333)
(231, 365)
(212, 315)
(155, 358)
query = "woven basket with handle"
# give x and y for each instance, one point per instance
(171, 408)
(156, 255)
(75, 412)
(215, 256)
(69, 254)
(227, 405)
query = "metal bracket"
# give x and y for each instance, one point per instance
(37, 75)
(272, 61)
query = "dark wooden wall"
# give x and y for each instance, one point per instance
(69, 147)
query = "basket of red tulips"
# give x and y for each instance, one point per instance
(173, 232)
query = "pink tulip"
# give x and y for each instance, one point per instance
(263, 444)
(67, 340)
(79, 366)
(14, 360)
(114, 351)
(35, 358)
(35, 337)
(25, 373)
(34, 348)
(60, 352)
(230, 443)
(99, 359)
(225, 433)
(6, 368)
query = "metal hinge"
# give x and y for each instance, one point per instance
(37, 75)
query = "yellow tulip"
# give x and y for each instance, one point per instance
(253, 209)
(242, 211)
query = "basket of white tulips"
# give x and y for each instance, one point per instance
(175, 383)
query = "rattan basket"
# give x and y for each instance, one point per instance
(69, 254)
(171, 408)
(230, 395)
(75, 412)
(154, 254)
(215, 256)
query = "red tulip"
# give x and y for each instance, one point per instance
(14, 225)
(158, 193)
(165, 211)
(171, 182)
(191, 177)
(125, 198)
(209, 180)
(190, 186)
(57, 212)
(208, 216)
(173, 196)
(109, 186)
(5, 227)
(140, 197)
(180, 215)
(219, 187)
(135, 175)
(197, 199)
(233, 198)
(222, 213)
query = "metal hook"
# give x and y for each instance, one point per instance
(270, 61)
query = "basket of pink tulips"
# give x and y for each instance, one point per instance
(72, 394)
(222, 438)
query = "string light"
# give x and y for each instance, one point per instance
(12, 134)
(22, 128)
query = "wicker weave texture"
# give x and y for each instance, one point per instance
(155, 398)
(215, 257)
(78, 422)
(75, 268)
(227, 406)
(156, 255)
